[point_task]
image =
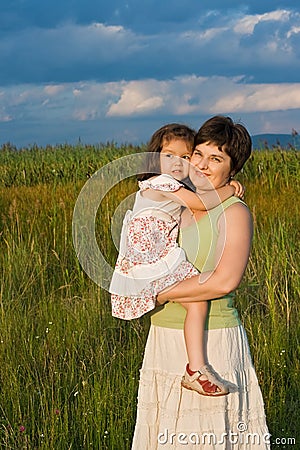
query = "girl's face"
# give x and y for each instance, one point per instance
(174, 159)
(210, 168)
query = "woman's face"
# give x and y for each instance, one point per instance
(210, 168)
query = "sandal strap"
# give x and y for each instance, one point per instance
(212, 376)
(195, 376)
(208, 387)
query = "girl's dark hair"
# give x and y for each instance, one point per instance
(231, 138)
(165, 134)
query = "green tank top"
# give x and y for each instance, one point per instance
(199, 242)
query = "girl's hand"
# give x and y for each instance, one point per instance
(239, 188)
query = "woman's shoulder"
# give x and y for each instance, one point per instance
(233, 208)
(235, 203)
(237, 216)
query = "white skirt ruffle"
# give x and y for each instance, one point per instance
(171, 417)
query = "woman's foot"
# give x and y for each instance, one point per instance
(205, 381)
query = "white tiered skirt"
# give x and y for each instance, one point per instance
(171, 417)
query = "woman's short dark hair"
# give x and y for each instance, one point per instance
(165, 134)
(230, 137)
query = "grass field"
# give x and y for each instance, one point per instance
(68, 370)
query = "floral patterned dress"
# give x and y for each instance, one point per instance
(149, 257)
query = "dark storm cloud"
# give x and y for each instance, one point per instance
(140, 15)
(263, 47)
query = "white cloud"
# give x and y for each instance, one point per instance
(179, 97)
(138, 97)
(205, 35)
(53, 89)
(293, 30)
(247, 24)
(264, 97)
(107, 29)
(193, 95)
(5, 118)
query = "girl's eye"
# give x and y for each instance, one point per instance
(186, 157)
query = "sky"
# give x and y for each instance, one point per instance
(97, 71)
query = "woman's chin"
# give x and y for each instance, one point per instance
(203, 183)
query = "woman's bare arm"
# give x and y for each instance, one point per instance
(233, 247)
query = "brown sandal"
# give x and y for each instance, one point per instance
(212, 386)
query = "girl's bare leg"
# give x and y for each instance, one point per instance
(194, 327)
(199, 375)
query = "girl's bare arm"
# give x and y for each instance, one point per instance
(203, 202)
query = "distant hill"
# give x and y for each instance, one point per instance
(261, 141)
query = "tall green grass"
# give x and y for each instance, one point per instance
(60, 164)
(68, 370)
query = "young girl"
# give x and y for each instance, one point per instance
(150, 259)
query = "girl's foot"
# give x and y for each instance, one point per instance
(205, 381)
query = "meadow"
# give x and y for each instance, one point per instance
(68, 370)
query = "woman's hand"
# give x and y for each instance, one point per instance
(159, 302)
(162, 296)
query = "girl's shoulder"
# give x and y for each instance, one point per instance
(163, 182)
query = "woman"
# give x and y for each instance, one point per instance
(218, 243)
